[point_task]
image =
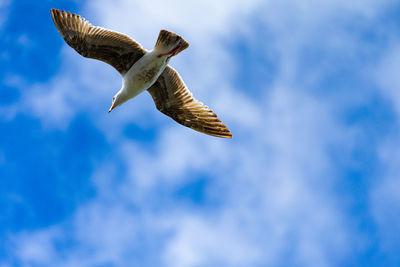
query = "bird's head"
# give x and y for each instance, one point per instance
(117, 100)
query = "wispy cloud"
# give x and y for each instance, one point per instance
(270, 197)
(384, 197)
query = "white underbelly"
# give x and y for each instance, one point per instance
(143, 74)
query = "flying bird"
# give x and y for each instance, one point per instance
(141, 70)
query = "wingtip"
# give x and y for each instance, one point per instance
(226, 133)
(223, 134)
(227, 136)
(55, 11)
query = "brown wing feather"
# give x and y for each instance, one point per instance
(116, 49)
(172, 98)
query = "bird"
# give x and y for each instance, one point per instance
(141, 70)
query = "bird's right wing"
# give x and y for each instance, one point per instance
(172, 98)
(116, 49)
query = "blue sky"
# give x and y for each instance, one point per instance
(310, 90)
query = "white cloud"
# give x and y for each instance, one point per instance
(37, 247)
(387, 77)
(384, 197)
(266, 196)
(272, 184)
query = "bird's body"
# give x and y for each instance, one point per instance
(142, 75)
(141, 70)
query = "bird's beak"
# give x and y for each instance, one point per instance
(112, 107)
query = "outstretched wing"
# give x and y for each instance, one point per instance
(172, 98)
(116, 49)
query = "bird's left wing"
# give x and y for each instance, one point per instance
(172, 98)
(116, 49)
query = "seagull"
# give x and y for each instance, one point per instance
(141, 70)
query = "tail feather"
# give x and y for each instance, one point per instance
(167, 41)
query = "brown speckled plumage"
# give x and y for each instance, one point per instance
(116, 49)
(169, 92)
(168, 39)
(173, 98)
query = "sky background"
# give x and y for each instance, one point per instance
(310, 90)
